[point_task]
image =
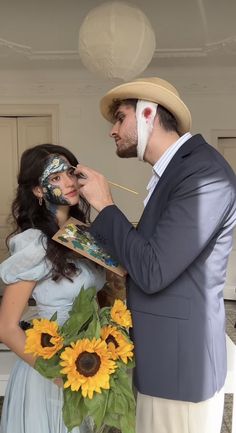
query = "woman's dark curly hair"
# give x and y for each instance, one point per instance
(26, 212)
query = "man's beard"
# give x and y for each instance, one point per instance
(129, 149)
(129, 152)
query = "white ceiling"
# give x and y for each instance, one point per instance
(44, 33)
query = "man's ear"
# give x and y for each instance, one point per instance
(38, 191)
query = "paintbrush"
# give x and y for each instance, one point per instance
(111, 183)
(122, 187)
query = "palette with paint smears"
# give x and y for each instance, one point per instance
(75, 235)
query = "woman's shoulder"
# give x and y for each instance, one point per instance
(27, 258)
(30, 237)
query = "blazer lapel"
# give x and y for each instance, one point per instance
(159, 197)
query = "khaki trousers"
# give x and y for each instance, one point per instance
(159, 415)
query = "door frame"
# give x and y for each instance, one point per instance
(221, 133)
(34, 110)
(229, 292)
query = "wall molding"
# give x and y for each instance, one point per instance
(226, 46)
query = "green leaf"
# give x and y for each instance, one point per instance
(105, 316)
(74, 409)
(73, 327)
(127, 423)
(80, 315)
(123, 383)
(121, 402)
(49, 368)
(54, 317)
(121, 406)
(130, 363)
(83, 300)
(111, 417)
(97, 406)
(94, 329)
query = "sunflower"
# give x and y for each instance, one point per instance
(43, 339)
(118, 345)
(88, 365)
(57, 192)
(120, 314)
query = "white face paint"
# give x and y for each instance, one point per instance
(145, 114)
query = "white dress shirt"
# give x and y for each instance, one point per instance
(160, 166)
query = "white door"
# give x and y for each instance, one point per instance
(16, 135)
(32, 131)
(227, 146)
(8, 170)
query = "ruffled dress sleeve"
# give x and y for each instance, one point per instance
(27, 258)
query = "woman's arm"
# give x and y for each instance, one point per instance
(14, 301)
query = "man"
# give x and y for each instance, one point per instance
(176, 258)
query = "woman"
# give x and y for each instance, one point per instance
(47, 195)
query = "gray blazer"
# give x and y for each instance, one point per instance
(176, 261)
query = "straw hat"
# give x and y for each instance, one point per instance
(150, 89)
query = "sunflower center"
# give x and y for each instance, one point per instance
(45, 340)
(88, 363)
(111, 339)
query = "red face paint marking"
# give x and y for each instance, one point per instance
(147, 112)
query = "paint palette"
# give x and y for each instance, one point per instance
(75, 235)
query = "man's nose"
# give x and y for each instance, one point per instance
(114, 130)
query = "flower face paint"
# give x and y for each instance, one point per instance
(51, 188)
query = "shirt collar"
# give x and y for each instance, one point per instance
(160, 166)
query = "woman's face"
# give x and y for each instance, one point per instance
(59, 183)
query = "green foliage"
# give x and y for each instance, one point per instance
(80, 315)
(74, 409)
(49, 368)
(97, 407)
(105, 316)
(94, 328)
(114, 407)
(54, 317)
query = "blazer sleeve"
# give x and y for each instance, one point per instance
(200, 205)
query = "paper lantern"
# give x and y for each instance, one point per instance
(116, 40)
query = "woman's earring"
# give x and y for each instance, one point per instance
(40, 201)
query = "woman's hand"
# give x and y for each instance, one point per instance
(59, 382)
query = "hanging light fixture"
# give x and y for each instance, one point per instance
(116, 40)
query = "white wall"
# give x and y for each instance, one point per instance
(210, 93)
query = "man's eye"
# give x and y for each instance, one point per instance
(120, 119)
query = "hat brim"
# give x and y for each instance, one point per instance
(149, 92)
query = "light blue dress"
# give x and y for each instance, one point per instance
(33, 404)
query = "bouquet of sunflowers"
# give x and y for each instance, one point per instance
(92, 353)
